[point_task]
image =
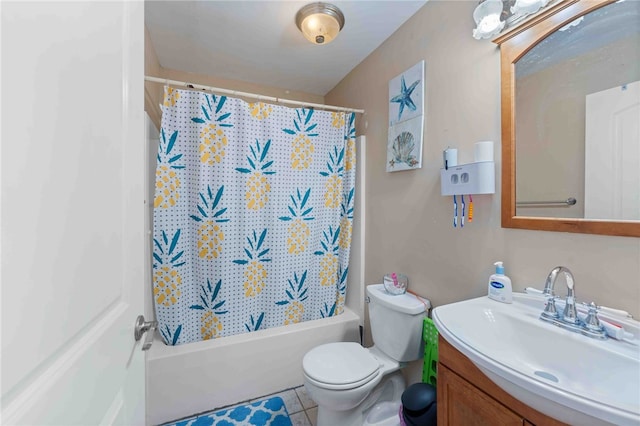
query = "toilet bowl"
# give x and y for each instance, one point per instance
(341, 375)
(353, 385)
(369, 379)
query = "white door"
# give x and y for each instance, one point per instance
(612, 154)
(72, 242)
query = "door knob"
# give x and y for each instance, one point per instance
(141, 326)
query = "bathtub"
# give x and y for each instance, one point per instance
(195, 377)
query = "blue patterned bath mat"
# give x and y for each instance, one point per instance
(268, 412)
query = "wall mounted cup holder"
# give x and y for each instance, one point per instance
(472, 178)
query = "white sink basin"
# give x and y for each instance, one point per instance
(565, 375)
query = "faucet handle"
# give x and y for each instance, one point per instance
(550, 310)
(570, 314)
(592, 322)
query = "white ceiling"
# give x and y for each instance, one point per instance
(258, 41)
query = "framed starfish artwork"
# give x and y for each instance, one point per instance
(406, 119)
(406, 94)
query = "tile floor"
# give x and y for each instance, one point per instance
(303, 411)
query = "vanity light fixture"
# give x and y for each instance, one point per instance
(527, 7)
(488, 17)
(493, 16)
(320, 22)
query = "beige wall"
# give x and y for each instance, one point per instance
(409, 225)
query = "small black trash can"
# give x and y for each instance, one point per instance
(419, 405)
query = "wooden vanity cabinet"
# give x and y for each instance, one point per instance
(467, 397)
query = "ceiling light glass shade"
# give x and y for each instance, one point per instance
(488, 19)
(320, 22)
(526, 7)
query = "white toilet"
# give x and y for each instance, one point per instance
(355, 386)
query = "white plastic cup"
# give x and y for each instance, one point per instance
(450, 157)
(483, 151)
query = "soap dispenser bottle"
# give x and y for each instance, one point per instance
(500, 285)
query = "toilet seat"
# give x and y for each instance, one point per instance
(340, 366)
(346, 386)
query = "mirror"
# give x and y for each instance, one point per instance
(570, 128)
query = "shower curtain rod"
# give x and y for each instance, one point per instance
(248, 95)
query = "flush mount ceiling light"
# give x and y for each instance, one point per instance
(488, 19)
(320, 22)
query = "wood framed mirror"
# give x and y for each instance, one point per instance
(528, 187)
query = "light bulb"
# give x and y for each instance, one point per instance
(527, 7)
(489, 23)
(487, 16)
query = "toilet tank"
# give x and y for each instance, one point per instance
(396, 323)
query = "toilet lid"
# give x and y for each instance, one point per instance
(340, 363)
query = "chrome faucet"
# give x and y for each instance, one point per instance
(570, 314)
(569, 319)
(551, 279)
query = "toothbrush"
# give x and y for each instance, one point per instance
(618, 312)
(394, 277)
(462, 218)
(455, 212)
(470, 208)
(616, 331)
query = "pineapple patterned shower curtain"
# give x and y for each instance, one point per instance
(253, 214)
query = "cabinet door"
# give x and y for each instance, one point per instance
(461, 403)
